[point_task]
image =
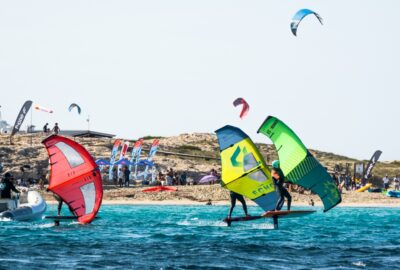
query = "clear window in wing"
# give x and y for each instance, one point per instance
(250, 162)
(258, 176)
(72, 156)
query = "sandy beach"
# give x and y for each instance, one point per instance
(199, 195)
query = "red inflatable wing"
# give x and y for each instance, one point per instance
(74, 177)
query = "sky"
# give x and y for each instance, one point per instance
(160, 67)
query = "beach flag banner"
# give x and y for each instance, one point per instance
(114, 153)
(21, 117)
(135, 157)
(152, 153)
(124, 150)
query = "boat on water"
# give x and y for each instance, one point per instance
(29, 206)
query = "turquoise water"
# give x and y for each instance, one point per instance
(188, 237)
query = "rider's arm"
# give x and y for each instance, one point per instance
(14, 189)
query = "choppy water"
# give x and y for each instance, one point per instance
(187, 237)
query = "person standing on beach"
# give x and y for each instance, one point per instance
(183, 179)
(46, 128)
(349, 182)
(170, 177)
(56, 129)
(120, 176)
(115, 176)
(396, 183)
(386, 182)
(279, 180)
(235, 196)
(127, 172)
(335, 179)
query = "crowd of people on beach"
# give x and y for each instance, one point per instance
(171, 178)
(395, 182)
(123, 177)
(352, 183)
(349, 183)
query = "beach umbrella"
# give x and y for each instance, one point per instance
(208, 179)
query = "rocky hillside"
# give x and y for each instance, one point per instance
(195, 153)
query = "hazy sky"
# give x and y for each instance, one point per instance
(165, 67)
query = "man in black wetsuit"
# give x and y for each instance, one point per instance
(60, 204)
(7, 186)
(240, 198)
(279, 181)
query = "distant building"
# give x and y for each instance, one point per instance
(5, 127)
(86, 134)
(81, 134)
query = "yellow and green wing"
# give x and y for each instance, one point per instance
(243, 168)
(297, 163)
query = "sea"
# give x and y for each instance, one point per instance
(194, 237)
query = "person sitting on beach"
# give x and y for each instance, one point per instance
(235, 196)
(7, 186)
(279, 180)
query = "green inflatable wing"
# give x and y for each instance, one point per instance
(297, 163)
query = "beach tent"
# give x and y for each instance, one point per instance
(145, 163)
(123, 162)
(102, 162)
